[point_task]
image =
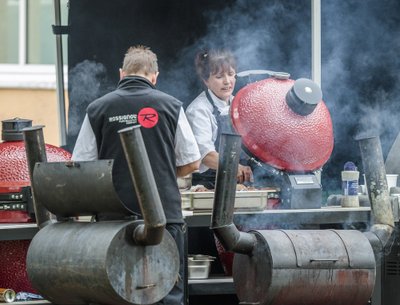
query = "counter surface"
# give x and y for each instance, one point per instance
(325, 215)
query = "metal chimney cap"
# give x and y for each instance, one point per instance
(304, 96)
(12, 129)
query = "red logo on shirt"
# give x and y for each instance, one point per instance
(148, 117)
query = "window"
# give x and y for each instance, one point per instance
(28, 45)
(9, 26)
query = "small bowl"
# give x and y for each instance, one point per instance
(198, 272)
(199, 266)
(184, 183)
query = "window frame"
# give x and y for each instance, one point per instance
(24, 75)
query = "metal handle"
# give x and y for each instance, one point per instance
(278, 75)
(324, 260)
(145, 286)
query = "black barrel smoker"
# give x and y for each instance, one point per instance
(303, 267)
(120, 261)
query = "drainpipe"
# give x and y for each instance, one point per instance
(151, 232)
(375, 174)
(316, 41)
(60, 74)
(224, 198)
(36, 152)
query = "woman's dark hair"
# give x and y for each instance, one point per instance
(213, 61)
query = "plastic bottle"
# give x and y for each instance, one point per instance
(350, 176)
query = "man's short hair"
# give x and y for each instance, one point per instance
(140, 60)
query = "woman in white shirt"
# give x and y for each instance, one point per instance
(208, 114)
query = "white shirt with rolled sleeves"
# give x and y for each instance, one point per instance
(204, 124)
(186, 148)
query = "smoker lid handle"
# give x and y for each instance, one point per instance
(278, 75)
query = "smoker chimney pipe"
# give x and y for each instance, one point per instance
(224, 198)
(375, 174)
(35, 149)
(152, 231)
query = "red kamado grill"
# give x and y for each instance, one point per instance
(15, 200)
(284, 123)
(286, 129)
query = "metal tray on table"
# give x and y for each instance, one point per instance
(245, 200)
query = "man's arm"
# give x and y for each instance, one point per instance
(211, 160)
(186, 149)
(182, 171)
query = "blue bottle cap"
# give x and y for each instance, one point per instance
(350, 166)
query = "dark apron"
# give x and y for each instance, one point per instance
(207, 178)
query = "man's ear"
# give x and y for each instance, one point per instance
(154, 78)
(121, 74)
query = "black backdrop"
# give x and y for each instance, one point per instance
(360, 62)
(101, 31)
(176, 30)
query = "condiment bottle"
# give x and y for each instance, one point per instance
(350, 176)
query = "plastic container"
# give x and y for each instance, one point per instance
(391, 181)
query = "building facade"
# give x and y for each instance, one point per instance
(27, 63)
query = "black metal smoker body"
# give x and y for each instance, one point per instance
(303, 267)
(121, 261)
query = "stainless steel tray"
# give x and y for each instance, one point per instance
(245, 200)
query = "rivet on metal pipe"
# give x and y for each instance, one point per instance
(375, 174)
(151, 232)
(35, 149)
(224, 198)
